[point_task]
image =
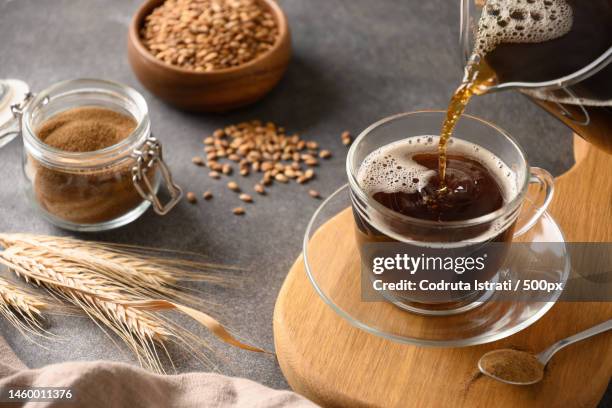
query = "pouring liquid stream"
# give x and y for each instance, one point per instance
(478, 77)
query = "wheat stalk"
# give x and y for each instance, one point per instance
(21, 308)
(118, 290)
(133, 266)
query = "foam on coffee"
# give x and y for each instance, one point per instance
(522, 21)
(390, 168)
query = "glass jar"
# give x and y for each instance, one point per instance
(97, 190)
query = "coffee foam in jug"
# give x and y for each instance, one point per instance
(521, 21)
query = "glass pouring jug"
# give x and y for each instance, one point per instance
(570, 76)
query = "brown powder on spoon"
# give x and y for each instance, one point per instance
(513, 365)
(89, 195)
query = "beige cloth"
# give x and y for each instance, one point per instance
(103, 384)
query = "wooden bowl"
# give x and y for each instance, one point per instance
(214, 91)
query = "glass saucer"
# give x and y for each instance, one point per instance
(493, 320)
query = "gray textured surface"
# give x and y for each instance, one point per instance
(355, 62)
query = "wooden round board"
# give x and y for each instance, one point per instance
(337, 365)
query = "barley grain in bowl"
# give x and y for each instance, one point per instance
(210, 55)
(209, 35)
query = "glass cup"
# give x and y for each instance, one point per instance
(377, 224)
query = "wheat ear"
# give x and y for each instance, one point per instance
(21, 308)
(138, 329)
(93, 283)
(132, 266)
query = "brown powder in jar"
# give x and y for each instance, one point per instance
(86, 129)
(85, 196)
(513, 365)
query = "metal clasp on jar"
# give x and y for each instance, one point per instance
(148, 159)
(10, 119)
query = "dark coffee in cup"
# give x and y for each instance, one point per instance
(471, 191)
(403, 177)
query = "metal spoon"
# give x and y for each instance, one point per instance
(536, 363)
